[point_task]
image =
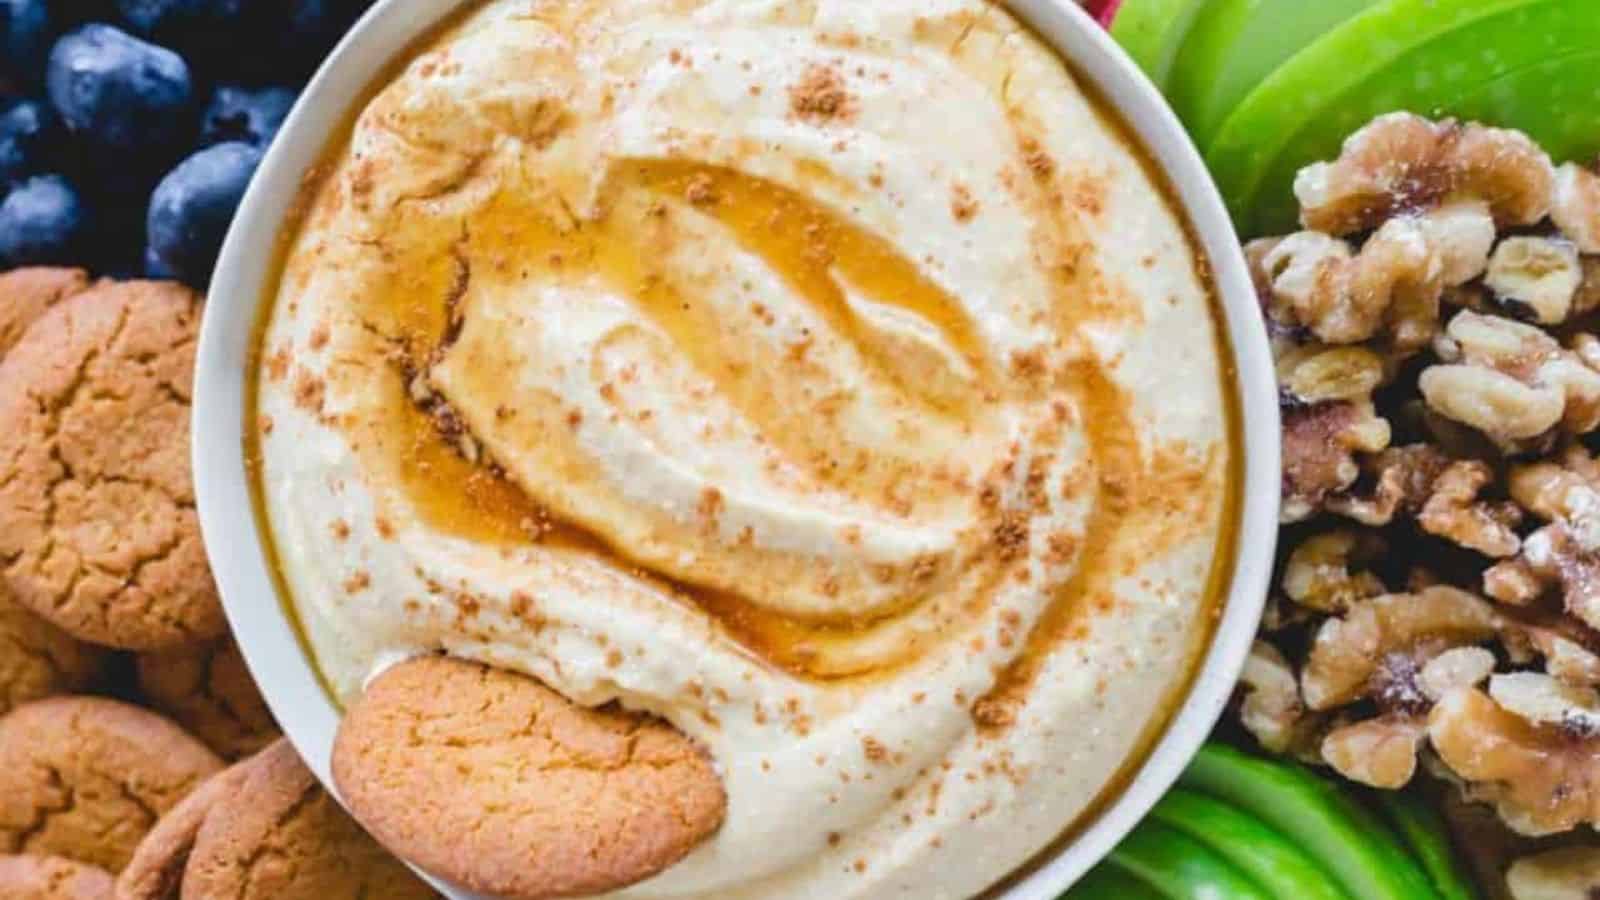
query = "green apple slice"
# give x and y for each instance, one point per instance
(1153, 30)
(1402, 54)
(1250, 844)
(1566, 122)
(1181, 867)
(1424, 832)
(1344, 837)
(1236, 45)
(1109, 882)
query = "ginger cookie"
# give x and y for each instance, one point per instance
(39, 660)
(156, 870)
(97, 516)
(52, 878)
(491, 780)
(86, 778)
(25, 295)
(281, 835)
(210, 692)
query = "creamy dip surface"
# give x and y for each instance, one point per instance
(828, 377)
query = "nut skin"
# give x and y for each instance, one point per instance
(1539, 777)
(1488, 484)
(1401, 162)
(1320, 573)
(1564, 873)
(1539, 274)
(1271, 709)
(1511, 381)
(1576, 206)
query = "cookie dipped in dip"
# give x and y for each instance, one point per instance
(830, 379)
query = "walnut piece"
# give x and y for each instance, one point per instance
(1538, 274)
(1380, 646)
(1320, 442)
(1455, 512)
(1320, 575)
(1563, 490)
(1565, 873)
(1281, 614)
(1271, 710)
(1575, 207)
(1461, 667)
(1395, 281)
(1401, 479)
(1564, 658)
(1564, 553)
(1513, 582)
(1462, 233)
(1390, 165)
(1557, 557)
(1401, 162)
(1380, 753)
(1510, 381)
(1539, 777)
(1543, 700)
(1316, 373)
(1503, 167)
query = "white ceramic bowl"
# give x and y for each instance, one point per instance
(240, 286)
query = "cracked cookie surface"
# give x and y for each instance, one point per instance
(210, 692)
(281, 835)
(26, 294)
(36, 658)
(39, 660)
(493, 781)
(52, 878)
(85, 778)
(156, 870)
(98, 531)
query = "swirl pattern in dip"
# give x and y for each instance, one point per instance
(828, 377)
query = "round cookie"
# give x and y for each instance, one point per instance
(52, 878)
(85, 778)
(156, 870)
(97, 517)
(495, 782)
(25, 294)
(281, 835)
(39, 660)
(209, 691)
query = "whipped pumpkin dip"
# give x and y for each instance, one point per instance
(829, 378)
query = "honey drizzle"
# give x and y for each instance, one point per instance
(805, 244)
(410, 317)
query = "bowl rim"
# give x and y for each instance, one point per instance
(236, 547)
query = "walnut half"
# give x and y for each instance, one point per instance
(1510, 381)
(1565, 873)
(1402, 162)
(1542, 778)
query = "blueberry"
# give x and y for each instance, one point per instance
(118, 91)
(167, 17)
(24, 37)
(41, 221)
(155, 268)
(316, 25)
(27, 134)
(240, 114)
(192, 207)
